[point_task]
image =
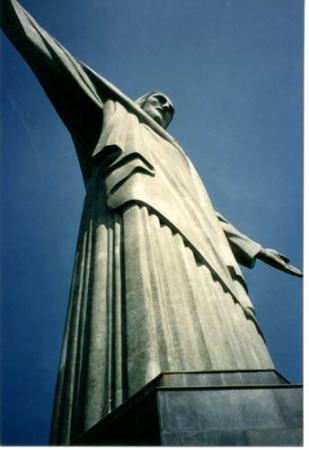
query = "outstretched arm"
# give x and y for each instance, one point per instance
(246, 251)
(62, 76)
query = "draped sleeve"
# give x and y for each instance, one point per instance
(63, 78)
(245, 249)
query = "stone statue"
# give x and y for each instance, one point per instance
(156, 284)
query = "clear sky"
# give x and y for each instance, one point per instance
(234, 71)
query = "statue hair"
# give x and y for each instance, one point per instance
(141, 100)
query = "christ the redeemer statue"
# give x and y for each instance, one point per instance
(156, 283)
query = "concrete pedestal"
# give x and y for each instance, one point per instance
(245, 408)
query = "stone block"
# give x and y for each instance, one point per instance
(206, 409)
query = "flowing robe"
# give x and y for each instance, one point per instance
(156, 286)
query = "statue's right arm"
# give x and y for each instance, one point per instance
(61, 75)
(246, 251)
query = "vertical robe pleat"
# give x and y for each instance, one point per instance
(141, 303)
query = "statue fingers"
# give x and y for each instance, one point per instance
(293, 270)
(284, 257)
(277, 254)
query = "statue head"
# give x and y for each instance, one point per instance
(158, 106)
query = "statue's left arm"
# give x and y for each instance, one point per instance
(60, 74)
(246, 251)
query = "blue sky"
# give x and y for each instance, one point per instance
(233, 69)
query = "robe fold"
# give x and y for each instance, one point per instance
(156, 286)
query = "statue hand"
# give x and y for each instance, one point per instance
(279, 261)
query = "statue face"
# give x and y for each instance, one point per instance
(159, 107)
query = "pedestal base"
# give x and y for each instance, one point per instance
(244, 408)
